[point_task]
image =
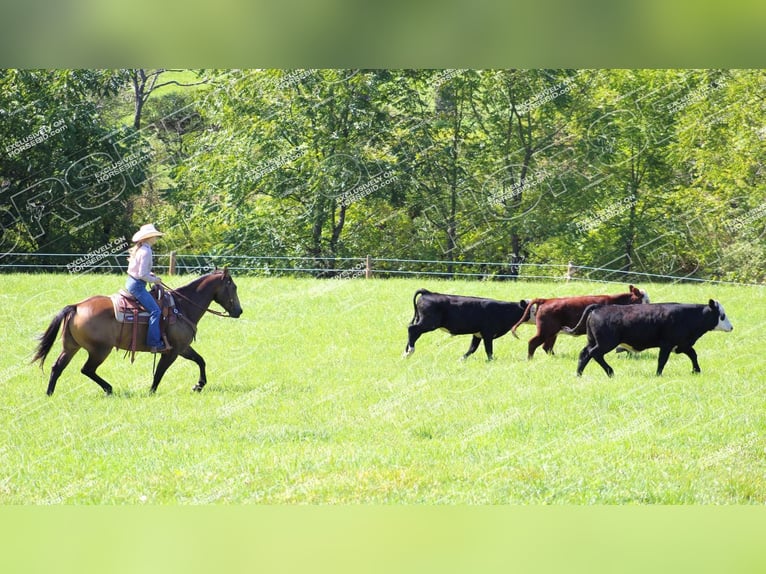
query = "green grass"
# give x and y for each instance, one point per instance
(309, 401)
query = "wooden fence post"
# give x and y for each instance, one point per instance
(368, 268)
(172, 265)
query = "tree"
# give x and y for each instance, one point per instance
(144, 83)
(720, 155)
(60, 190)
(624, 133)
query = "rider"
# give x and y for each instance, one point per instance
(139, 274)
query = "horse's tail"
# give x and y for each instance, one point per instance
(49, 337)
(579, 329)
(416, 316)
(525, 315)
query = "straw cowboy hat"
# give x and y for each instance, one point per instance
(146, 232)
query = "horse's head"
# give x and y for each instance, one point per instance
(226, 293)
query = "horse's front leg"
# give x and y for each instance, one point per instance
(193, 355)
(166, 359)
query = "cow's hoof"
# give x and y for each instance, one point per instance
(198, 388)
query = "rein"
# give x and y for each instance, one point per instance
(194, 303)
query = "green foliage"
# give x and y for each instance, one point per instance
(56, 142)
(656, 171)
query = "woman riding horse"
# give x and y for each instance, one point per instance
(139, 274)
(91, 325)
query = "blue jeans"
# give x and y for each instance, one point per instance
(138, 290)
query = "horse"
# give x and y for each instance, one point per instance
(91, 325)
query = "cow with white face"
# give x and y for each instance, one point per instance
(668, 326)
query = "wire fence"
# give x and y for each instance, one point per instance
(338, 267)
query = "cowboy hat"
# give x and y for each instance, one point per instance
(146, 232)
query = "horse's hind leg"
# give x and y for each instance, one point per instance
(193, 355)
(95, 358)
(58, 367)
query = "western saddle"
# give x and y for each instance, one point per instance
(128, 311)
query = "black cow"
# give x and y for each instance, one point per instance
(485, 319)
(669, 326)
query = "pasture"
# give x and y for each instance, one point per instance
(309, 401)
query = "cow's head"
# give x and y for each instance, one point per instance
(723, 321)
(639, 295)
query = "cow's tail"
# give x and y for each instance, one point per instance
(49, 337)
(416, 316)
(579, 329)
(525, 315)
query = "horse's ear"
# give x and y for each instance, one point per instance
(226, 271)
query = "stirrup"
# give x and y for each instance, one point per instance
(162, 349)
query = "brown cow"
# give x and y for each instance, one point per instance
(553, 315)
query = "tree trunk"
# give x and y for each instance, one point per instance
(452, 221)
(316, 228)
(139, 107)
(337, 228)
(516, 257)
(139, 94)
(636, 175)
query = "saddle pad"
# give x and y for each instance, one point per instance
(124, 304)
(123, 309)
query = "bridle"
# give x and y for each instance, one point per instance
(194, 303)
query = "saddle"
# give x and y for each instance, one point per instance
(128, 310)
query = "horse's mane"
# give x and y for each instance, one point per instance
(195, 283)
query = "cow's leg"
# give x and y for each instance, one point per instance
(95, 358)
(583, 360)
(598, 356)
(487, 337)
(692, 354)
(414, 332)
(548, 344)
(663, 358)
(534, 342)
(472, 347)
(596, 351)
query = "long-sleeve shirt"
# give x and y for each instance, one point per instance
(140, 264)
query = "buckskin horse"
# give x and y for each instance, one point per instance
(91, 325)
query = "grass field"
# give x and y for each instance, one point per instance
(309, 401)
